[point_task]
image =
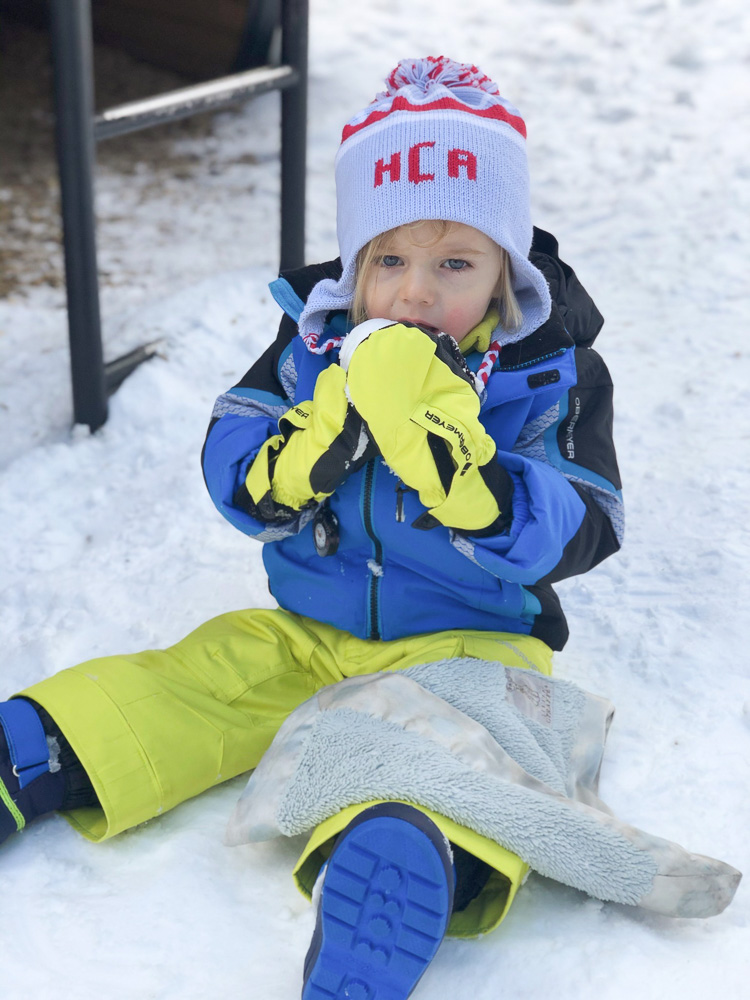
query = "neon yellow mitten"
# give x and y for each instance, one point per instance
(320, 442)
(417, 398)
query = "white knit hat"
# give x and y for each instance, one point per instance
(439, 143)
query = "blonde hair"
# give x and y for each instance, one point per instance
(506, 303)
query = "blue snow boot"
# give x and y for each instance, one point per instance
(31, 778)
(385, 903)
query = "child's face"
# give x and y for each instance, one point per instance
(445, 284)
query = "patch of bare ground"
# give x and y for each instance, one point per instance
(30, 229)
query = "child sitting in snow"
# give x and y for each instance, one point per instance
(424, 450)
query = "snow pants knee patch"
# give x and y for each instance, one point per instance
(158, 727)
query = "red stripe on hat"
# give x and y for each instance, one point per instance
(496, 112)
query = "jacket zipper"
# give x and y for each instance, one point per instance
(374, 580)
(534, 361)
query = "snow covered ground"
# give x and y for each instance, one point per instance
(637, 115)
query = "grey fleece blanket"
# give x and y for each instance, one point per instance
(509, 753)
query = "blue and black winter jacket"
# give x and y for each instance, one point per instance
(548, 405)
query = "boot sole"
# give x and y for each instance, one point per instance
(384, 908)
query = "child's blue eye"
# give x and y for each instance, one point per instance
(455, 264)
(390, 260)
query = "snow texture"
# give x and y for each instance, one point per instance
(637, 116)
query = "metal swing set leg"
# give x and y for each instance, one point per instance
(78, 130)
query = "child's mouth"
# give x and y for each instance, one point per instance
(424, 326)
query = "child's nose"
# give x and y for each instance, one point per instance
(416, 286)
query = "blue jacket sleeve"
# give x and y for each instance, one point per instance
(567, 501)
(242, 420)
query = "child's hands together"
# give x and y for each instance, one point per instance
(407, 394)
(417, 398)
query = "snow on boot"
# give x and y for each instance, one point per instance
(384, 906)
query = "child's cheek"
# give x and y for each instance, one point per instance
(457, 321)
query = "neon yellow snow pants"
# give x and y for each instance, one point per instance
(158, 727)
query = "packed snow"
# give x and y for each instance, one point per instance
(637, 115)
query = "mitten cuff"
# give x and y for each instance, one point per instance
(358, 335)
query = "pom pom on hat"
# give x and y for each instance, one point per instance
(435, 71)
(435, 84)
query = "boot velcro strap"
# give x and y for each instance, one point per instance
(26, 739)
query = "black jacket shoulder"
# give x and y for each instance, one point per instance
(577, 310)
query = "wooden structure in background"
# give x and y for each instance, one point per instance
(198, 38)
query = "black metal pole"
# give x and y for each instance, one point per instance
(294, 134)
(70, 26)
